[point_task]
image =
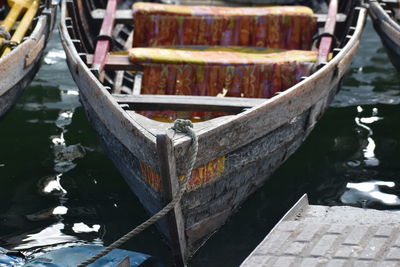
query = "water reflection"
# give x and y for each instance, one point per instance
(369, 149)
(84, 228)
(47, 223)
(367, 193)
(49, 236)
(372, 79)
(51, 186)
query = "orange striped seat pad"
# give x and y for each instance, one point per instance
(210, 72)
(286, 27)
(259, 73)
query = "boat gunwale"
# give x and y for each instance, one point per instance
(378, 10)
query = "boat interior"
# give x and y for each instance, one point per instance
(204, 59)
(392, 7)
(17, 20)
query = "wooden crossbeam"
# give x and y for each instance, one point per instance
(187, 103)
(103, 44)
(122, 16)
(326, 43)
(125, 16)
(115, 62)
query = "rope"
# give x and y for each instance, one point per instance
(4, 33)
(5, 37)
(183, 126)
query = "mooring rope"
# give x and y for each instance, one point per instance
(183, 126)
(4, 33)
(5, 38)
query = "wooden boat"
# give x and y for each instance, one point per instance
(243, 137)
(385, 15)
(28, 24)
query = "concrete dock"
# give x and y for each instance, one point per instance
(311, 235)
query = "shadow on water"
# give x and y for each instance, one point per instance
(57, 188)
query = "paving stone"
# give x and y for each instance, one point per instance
(397, 242)
(337, 229)
(356, 235)
(384, 231)
(373, 247)
(307, 234)
(347, 251)
(364, 263)
(390, 264)
(276, 242)
(288, 226)
(312, 262)
(336, 263)
(295, 248)
(284, 261)
(394, 254)
(323, 245)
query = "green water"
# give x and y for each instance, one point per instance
(58, 188)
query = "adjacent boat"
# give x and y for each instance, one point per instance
(73, 256)
(385, 15)
(25, 28)
(252, 107)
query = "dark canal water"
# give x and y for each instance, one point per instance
(58, 188)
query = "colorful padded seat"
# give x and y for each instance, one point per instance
(286, 27)
(258, 73)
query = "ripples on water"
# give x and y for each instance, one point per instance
(57, 188)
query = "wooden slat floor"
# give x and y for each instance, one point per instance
(331, 236)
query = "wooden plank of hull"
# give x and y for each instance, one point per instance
(207, 208)
(388, 30)
(15, 73)
(236, 136)
(170, 187)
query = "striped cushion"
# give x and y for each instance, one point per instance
(286, 27)
(209, 72)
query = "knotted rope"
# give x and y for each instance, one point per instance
(183, 126)
(4, 33)
(5, 37)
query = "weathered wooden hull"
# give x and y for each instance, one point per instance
(19, 67)
(241, 150)
(388, 30)
(10, 97)
(207, 208)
